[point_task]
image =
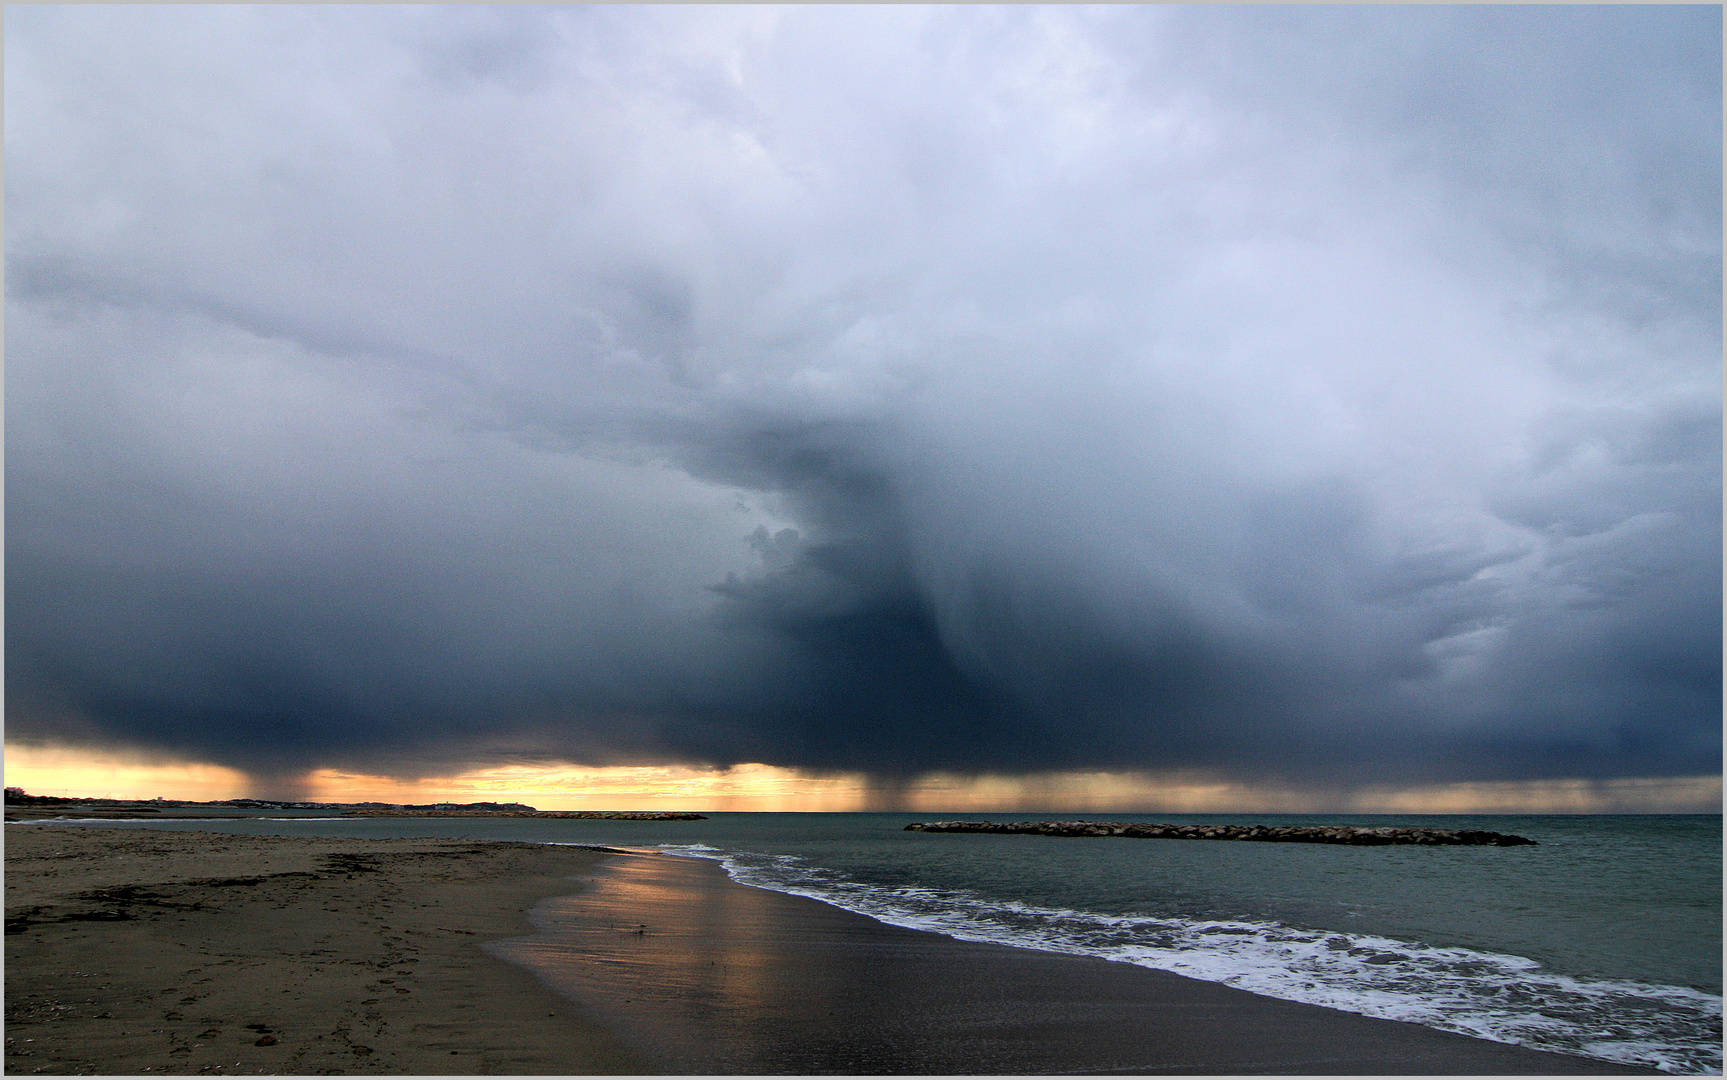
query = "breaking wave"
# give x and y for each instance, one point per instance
(1504, 998)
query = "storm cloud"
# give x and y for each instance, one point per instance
(1326, 394)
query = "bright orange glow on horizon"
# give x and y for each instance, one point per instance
(757, 787)
(751, 787)
(119, 774)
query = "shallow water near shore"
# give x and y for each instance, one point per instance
(1604, 939)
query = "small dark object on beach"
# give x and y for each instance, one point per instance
(266, 1040)
(1308, 834)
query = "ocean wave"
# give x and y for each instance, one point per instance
(1503, 998)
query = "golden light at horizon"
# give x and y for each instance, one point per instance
(119, 774)
(748, 787)
(762, 788)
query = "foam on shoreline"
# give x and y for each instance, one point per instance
(1503, 998)
(717, 977)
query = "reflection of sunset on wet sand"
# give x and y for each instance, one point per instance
(710, 961)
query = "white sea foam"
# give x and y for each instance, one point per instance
(1509, 999)
(82, 821)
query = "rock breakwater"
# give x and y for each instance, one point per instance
(1298, 834)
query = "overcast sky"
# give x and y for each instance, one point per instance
(1319, 395)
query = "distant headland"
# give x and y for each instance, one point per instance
(21, 805)
(486, 810)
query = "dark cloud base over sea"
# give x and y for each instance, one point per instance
(1320, 396)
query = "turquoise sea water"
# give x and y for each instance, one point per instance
(1603, 939)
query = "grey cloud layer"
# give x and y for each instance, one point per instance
(1330, 394)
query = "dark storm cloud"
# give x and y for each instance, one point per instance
(1303, 393)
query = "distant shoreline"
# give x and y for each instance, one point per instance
(147, 814)
(608, 815)
(22, 806)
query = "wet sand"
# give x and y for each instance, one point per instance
(139, 951)
(703, 975)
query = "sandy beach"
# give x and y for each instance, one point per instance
(134, 951)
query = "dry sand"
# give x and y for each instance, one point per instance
(140, 951)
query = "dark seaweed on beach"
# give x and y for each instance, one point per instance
(350, 864)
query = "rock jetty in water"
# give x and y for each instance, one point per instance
(1297, 834)
(610, 815)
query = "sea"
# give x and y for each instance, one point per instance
(1602, 939)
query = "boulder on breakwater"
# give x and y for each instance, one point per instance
(1298, 834)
